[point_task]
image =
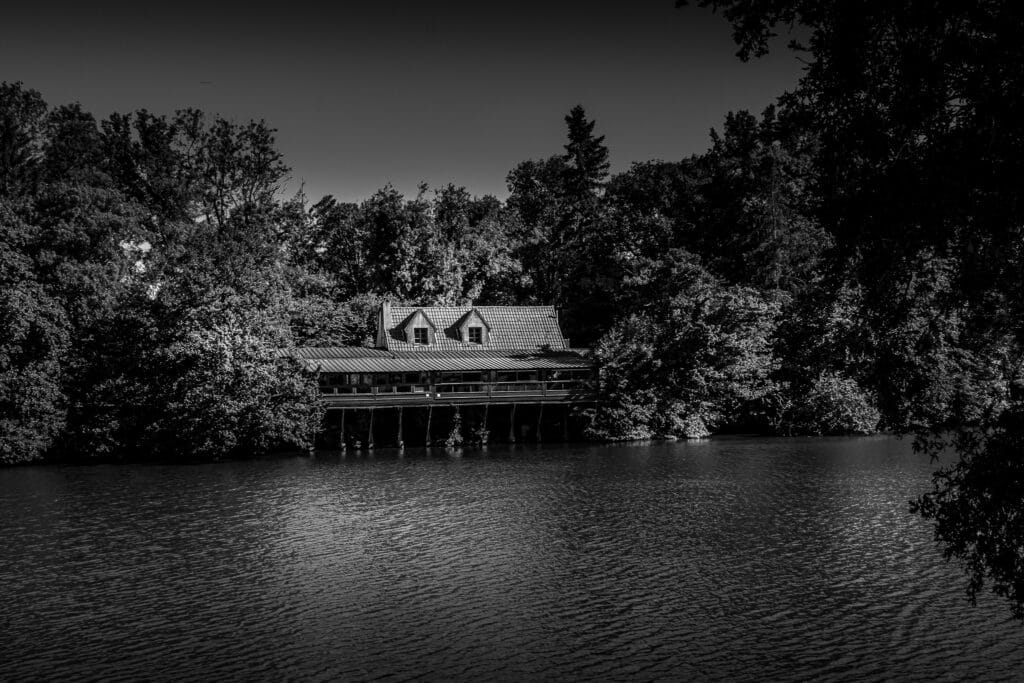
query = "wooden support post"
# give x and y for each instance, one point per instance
(485, 434)
(565, 424)
(430, 414)
(341, 438)
(369, 436)
(456, 422)
(483, 427)
(512, 425)
(401, 443)
(540, 418)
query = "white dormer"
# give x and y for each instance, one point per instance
(473, 329)
(420, 329)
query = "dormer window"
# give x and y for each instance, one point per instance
(418, 329)
(471, 328)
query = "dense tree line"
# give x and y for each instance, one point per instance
(144, 297)
(153, 270)
(847, 261)
(156, 269)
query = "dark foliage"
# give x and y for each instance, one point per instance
(917, 110)
(976, 507)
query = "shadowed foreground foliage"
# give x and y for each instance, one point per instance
(917, 112)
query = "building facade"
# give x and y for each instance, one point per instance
(455, 358)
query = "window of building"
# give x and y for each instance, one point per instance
(419, 335)
(476, 335)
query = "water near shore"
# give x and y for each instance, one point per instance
(733, 559)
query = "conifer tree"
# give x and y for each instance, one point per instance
(586, 157)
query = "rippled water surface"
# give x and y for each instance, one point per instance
(728, 559)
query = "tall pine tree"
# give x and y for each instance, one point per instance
(583, 239)
(586, 158)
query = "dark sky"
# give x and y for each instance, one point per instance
(368, 93)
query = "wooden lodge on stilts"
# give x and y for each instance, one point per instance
(444, 375)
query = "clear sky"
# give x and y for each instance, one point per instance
(367, 93)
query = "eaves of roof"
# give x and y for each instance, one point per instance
(356, 359)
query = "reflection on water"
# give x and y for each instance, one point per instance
(734, 558)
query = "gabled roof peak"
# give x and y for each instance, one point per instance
(418, 312)
(520, 328)
(469, 315)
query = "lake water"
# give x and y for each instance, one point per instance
(734, 558)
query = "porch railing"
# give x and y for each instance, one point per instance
(439, 390)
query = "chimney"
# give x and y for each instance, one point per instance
(384, 324)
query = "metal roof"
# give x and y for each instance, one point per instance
(509, 328)
(357, 359)
(336, 352)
